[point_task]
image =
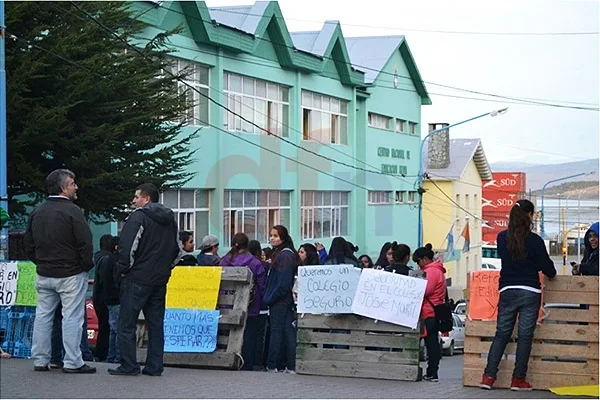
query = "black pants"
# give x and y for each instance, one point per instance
(103, 330)
(434, 353)
(151, 299)
(282, 335)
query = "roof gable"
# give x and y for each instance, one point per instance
(462, 151)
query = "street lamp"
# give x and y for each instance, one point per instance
(553, 181)
(420, 176)
(3, 152)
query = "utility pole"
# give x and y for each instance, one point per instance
(3, 151)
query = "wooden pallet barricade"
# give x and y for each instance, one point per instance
(348, 345)
(565, 348)
(237, 283)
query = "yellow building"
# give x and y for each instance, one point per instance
(455, 169)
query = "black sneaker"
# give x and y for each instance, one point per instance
(42, 368)
(84, 369)
(430, 378)
(119, 371)
(57, 365)
(145, 372)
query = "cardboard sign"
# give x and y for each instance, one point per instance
(190, 331)
(327, 289)
(389, 297)
(193, 287)
(26, 294)
(484, 294)
(9, 274)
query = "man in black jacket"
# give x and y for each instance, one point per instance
(59, 241)
(98, 297)
(148, 250)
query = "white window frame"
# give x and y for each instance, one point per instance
(273, 210)
(412, 128)
(193, 114)
(334, 119)
(380, 197)
(401, 125)
(412, 197)
(189, 223)
(379, 121)
(274, 111)
(401, 196)
(309, 213)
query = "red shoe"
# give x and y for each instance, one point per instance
(520, 384)
(487, 382)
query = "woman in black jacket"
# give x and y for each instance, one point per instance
(401, 254)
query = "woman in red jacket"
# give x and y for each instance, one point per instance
(435, 294)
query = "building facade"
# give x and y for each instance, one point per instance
(310, 130)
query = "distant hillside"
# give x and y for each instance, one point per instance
(588, 189)
(538, 175)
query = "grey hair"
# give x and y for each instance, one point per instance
(56, 180)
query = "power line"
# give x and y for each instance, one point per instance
(452, 200)
(364, 67)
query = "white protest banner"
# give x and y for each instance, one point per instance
(389, 297)
(9, 273)
(327, 289)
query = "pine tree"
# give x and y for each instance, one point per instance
(79, 98)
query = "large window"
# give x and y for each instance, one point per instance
(324, 214)
(380, 121)
(254, 212)
(191, 210)
(324, 118)
(380, 197)
(263, 103)
(197, 105)
(412, 128)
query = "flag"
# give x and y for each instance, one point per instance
(465, 233)
(450, 239)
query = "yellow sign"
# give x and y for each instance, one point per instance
(194, 287)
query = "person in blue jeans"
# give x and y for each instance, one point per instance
(523, 255)
(149, 248)
(110, 294)
(279, 297)
(57, 354)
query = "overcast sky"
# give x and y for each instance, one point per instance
(561, 68)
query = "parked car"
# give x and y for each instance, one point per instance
(92, 319)
(460, 310)
(455, 339)
(489, 266)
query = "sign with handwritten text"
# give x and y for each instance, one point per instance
(389, 297)
(9, 274)
(327, 289)
(190, 331)
(484, 295)
(193, 287)
(26, 294)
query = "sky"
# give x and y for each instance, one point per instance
(554, 68)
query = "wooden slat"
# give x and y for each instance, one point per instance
(563, 296)
(408, 357)
(539, 381)
(360, 338)
(232, 317)
(217, 359)
(572, 315)
(225, 299)
(588, 351)
(572, 283)
(567, 332)
(236, 274)
(350, 322)
(223, 340)
(241, 302)
(359, 370)
(555, 367)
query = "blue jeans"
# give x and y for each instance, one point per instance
(113, 339)
(151, 299)
(56, 356)
(50, 293)
(282, 335)
(526, 305)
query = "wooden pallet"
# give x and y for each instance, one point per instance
(354, 346)
(565, 349)
(233, 301)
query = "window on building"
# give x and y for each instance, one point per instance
(401, 126)
(467, 203)
(254, 212)
(412, 197)
(324, 118)
(408, 154)
(324, 214)
(263, 103)
(400, 196)
(380, 121)
(197, 104)
(412, 128)
(380, 197)
(191, 208)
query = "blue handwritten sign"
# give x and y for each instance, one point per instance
(190, 331)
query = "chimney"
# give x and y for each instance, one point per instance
(438, 147)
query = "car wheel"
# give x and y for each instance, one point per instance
(450, 351)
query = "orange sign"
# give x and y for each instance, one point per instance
(484, 295)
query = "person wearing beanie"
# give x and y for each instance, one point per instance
(208, 251)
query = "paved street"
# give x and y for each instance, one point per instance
(19, 381)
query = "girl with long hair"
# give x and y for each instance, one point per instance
(279, 298)
(385, 256)
(341, 253)
(308, 254)
(523, 255)
(401, 254)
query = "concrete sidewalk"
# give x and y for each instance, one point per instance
(18, 380)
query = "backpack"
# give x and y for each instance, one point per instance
(443, 315)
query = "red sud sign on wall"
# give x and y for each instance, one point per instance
(498, 201)
(506, 182)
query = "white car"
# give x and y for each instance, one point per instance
(461, 311)
(455, 339)
(489, 266)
